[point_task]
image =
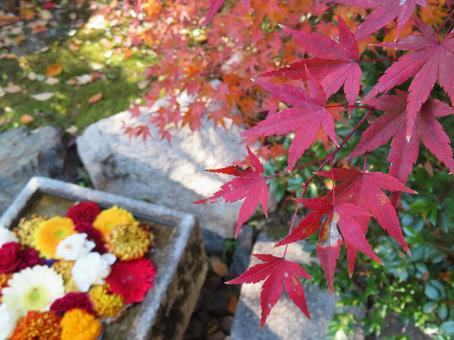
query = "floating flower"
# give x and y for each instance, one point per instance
(93, 235)
(84, 212)
(128, 242)
(29, 257)
(8, 320)
(64, 268)
(106, 305)
(72, 301)
(132, 279)
(74, 247)
(112, 217)
(27, 230)
(78, 324)
(7, 236)
(33, 289)
(9, 257)
(50, 233)
(91, 269)
(38, 325)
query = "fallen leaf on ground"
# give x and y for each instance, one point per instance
(54, 70)
(12, 88)
(43, 96)
(52, 81)
(219, 267)
(84, 79)
(96, 98)
(26, 119)
(27, 13)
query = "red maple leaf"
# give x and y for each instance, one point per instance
(279, 274)
(335, 63)
(403, 153)
(306, 116)
(384, 11)
(366, 190)
(338, 223)
(431, 61)
(249, 184)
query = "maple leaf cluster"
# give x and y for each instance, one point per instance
(209, 52)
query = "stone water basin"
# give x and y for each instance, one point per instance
(178, 254)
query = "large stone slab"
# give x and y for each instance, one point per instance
(178, 254)
(285, 321)
(172, 174)
(24, 154)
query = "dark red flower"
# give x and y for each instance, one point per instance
(9, 257)
(132, 279)
(84, 212)
(28, 257)
(71, 301)
(93, 235)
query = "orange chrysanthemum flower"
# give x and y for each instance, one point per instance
(78, 324)
(38, 325)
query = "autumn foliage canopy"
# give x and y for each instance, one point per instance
(296, 68)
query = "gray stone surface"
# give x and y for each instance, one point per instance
(24, 154)
(242, 254)
(178, 254)
(172, 174)
(285, 321)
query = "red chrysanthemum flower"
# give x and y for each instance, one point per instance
(93, 235)
(132, 279)
(84, 212)
(9, 257)
(29, 257)
(72, 301)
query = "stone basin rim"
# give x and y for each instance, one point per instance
(183, 222)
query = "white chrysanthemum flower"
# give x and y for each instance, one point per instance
(8, 320)
(74, 247)
(92, 269)
(33, 289)
(7, 236)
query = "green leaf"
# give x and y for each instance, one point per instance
(431, 292)
(429, 307)
(442, 312)
(448, 327)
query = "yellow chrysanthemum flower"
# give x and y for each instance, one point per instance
(50, 233)
(105, 304)
(128, 242)
(78, 324)
(27, 228)
(112, 217)
(64, 268)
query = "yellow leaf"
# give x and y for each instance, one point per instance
(54, 70)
